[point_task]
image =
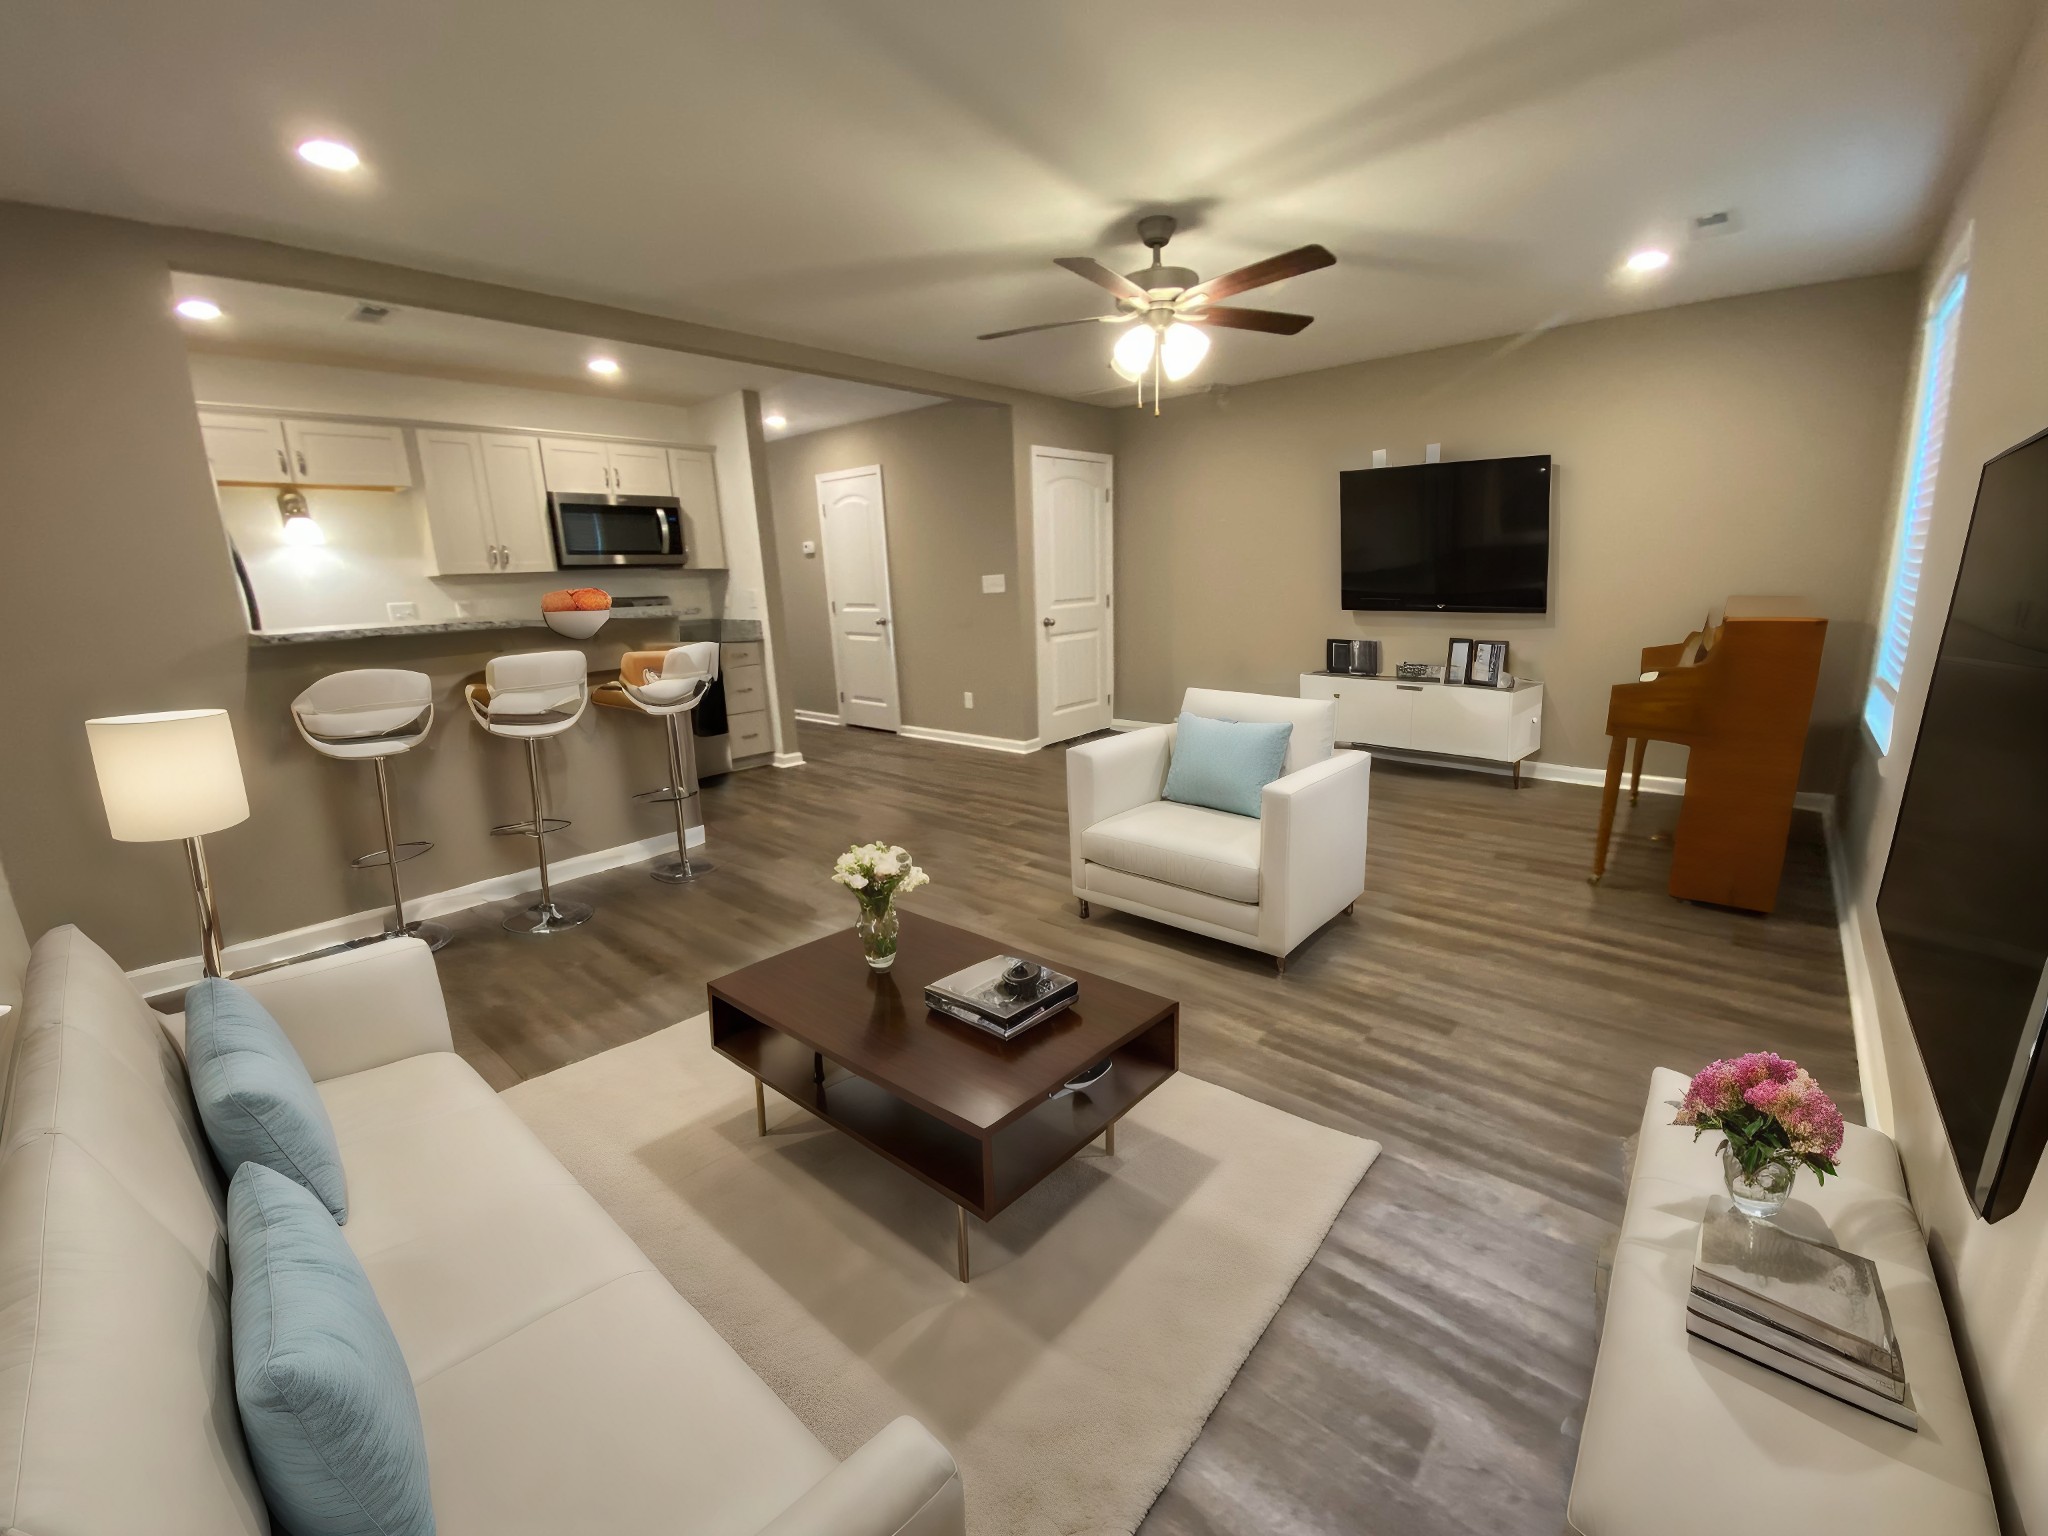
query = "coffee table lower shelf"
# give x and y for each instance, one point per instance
(979, 1171)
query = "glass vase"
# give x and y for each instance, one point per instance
(877, 930)
(1762, 1197)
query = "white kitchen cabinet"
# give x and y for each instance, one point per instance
(586, 467)
(486, 504)
(347, 453)
(638, 470)
(1499, 725)
(694, 474)
(245, 449)
(576, 465)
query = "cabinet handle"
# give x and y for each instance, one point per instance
(302, 461)
(284, 466)
(1409, 687)
(494, 555)
(505, 556)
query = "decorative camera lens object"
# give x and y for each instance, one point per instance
(1020, 977)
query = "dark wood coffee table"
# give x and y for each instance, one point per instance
(962, 1110)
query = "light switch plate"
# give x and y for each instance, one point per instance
(1379, 458)
(969, 699)
(402, 613)
(1433, 454)
(995, 583)
(810, 548)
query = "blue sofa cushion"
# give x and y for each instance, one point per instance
(255, 1097)
(327, 1403)
(1223, 764)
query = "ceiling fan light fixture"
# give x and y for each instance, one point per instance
(1132, 356)
(1181, 350)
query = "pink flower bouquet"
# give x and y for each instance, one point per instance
(1768, 1111)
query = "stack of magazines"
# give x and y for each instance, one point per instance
(1805, 1309)
(1004, 996)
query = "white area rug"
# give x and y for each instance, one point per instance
(1109, 1307)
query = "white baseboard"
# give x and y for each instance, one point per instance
(965, 739)
(176, 975)
(818, 717)
(788, 760)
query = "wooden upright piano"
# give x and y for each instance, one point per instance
(1739, 694)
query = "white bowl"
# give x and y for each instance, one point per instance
(578, 623)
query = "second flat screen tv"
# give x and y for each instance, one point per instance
(1470, 537)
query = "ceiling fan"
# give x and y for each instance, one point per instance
(1171, 303)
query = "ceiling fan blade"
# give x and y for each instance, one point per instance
(1288, 264)
(1273, 320)
(1097, 273)
(1053, 325)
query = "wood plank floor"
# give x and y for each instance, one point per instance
(1486, 1014)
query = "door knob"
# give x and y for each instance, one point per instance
(883, 622)
(1047, 622)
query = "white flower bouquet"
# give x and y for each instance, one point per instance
(877, 873)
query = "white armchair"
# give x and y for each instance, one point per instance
(1266, 881)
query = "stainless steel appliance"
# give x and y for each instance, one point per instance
(616, 530)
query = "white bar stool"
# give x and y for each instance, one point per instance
(529, 696)
(671, 684)
(374, 714)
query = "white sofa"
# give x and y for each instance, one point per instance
(1685, 1438)
(1266, 881)
(563, 1384)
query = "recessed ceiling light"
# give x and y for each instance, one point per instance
(329, 155)
(775, 423)
(199, 309)
(1648, 261)
(604, 365)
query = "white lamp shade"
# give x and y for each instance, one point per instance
(1132, 354)
(169, 776)
(1182, 349)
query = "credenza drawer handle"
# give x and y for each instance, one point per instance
(1409, 687)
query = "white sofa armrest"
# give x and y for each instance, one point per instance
(1108, 777)
(358, 1009)
(1312, 847)
(901, 1483)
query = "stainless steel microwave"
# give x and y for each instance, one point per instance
(616, 530)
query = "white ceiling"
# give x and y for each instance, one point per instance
(890, 177)
(260, 320)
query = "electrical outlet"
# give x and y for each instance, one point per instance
(969, 698)
(996, 583)
(403, 613)
(810, 549)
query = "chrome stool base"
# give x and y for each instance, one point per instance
(548, 917)
(434, 935)
(379, 858)
(681, 871)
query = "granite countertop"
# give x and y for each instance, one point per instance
(446, 627)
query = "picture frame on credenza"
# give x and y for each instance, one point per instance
(1489, 665)
(1457, 661)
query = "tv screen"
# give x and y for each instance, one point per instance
(1964, 904)
(1471, 537)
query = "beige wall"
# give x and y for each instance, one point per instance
(1737, 447)
(1995, 1274)
(947, 488)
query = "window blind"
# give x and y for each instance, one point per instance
(1916, 511)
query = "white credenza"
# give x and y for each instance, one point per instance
(1495, 725)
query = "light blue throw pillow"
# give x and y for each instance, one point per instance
(1223, 764)
(327, 1403)
(256, 1099)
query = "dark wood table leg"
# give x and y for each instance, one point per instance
(1635, 770)
(961, 1212)
(1617, 756)
(760, 1108)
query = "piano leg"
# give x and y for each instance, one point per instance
(1635, 770)
(1617, 758)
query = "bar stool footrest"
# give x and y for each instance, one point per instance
(525, 828)
(666, 795)
(379, 858)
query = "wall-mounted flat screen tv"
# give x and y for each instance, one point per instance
(1470, 537)
(1964, 904)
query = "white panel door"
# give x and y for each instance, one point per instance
(638, 470)
(576, 465)
(854, 531)
(347, 453)
(458, 503)
(519, 502)
(1072, 554)
(245, 449)
(695, 476)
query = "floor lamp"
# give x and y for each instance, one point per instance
(170, 777)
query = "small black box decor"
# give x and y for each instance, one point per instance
(1489, 663)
